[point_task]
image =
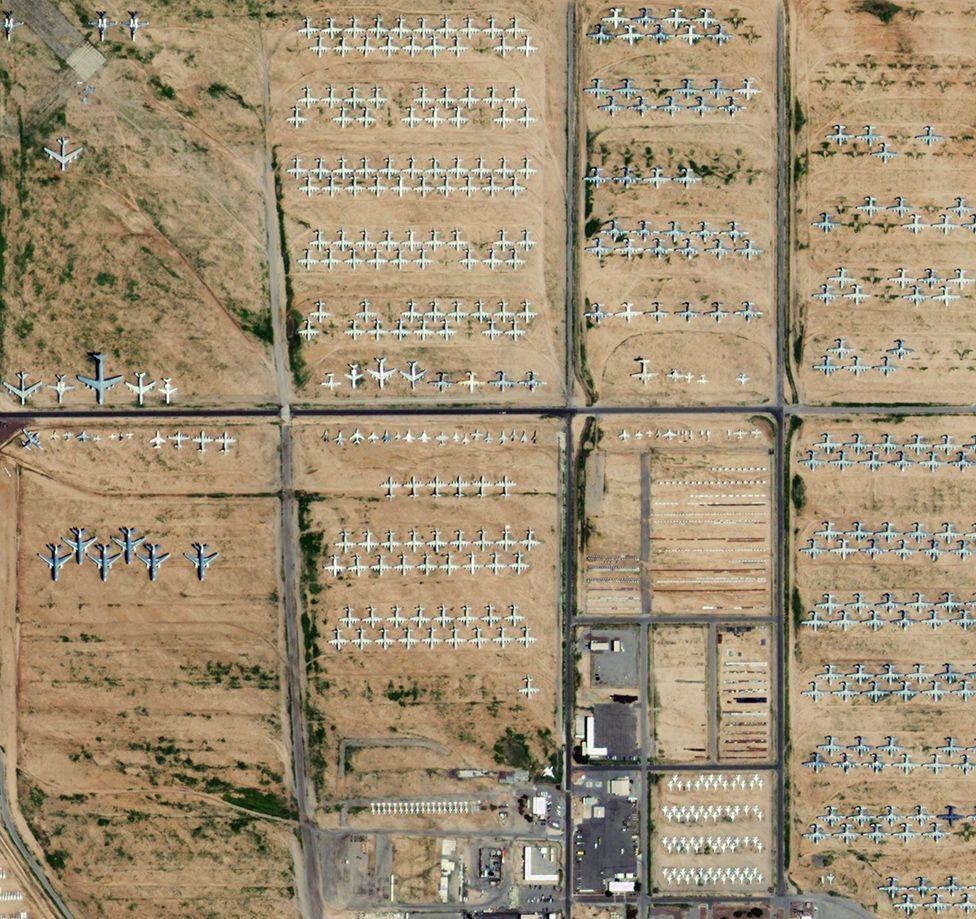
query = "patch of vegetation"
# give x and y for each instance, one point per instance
(257, 323)
(592, 227)
(404, 695)
(222, 91)
(885, 10)
(261, 802)
(162, 90)
(512, 749)
(798, 492)
(799, 119)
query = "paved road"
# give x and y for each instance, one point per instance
(295, 660)
(35, 867)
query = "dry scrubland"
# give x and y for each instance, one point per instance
(896, 74)
(735, 159)
(151, 247)
(919, 725)
(441, 709)
(152, 767)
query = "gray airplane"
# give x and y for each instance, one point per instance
(53, 560)
(103, 561)
(128, 543)
(78, 544)
(100, 383)
(153, 559)
(200, 558)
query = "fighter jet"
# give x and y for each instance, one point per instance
(9, 24)
(101, 24)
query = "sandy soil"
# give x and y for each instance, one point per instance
(536, 341)
(694, 359)
(149, 736)
(854, 69)
(443, 709)
(920, 725)
(151, 246)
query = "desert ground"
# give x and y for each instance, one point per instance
(427, 616)
(898, 226)
(151, 761)
(426, 144)
(681, 707)
(150, 247)
(676, 516)
(637, 338)
(902, 611)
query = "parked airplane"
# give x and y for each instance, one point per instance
(134, 23)
(101, 24)
(21, 390)
(153, 559)
(54, 561)
(63, 156)
(103, 561)
(200, 559)
(99, 382)
(9, 24)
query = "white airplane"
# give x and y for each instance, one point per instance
(153, 559)
(839, 135)
(134, 23)
(63, 156)
(928, 136)
(824, 224)
(101, 23)
(885, 153)
(140, 387)
(21, 390)
(9, 24)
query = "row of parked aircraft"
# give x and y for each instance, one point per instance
(98, 382)
(339, 566)
(641, 106)
(456, 487)
(876, 834)
(411, 243)
(901, 208)
(460, 311)
(410, 169)
(702, 875)
(628, 176)
(907, 904)
(414, 375)
(103, 556)
(492, 97)
(596, 314)
(459, 437)
(890, 443)
(844, 621)
(827, 224)
(900, 461)
(471, 27)
(102, 24)
(414, 46)
(841, 350)
(419, 618)
(687, 250)
(839, 136)
(875, 692)
(346, 542)
(889, 815)
(454, 639)
(645, 26)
